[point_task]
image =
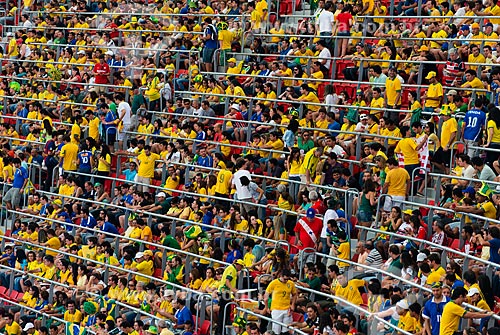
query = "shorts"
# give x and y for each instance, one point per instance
(365, 216)
(392, 201)
(110, 138)
(442, 157)
(13, 196)
(122, 134)
(208, 55)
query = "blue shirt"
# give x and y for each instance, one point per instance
(110, 117)
(20, 176)
(84, 158)
(433, 312)
(201, 136)
(183, 315)
(89, 222)
(494, 247)
(108, 227)
(475, 120)
(212, 42)
(130, 174)
(206, 161)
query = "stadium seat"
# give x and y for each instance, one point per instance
(297, 317)
(205, 328)
(3, 291)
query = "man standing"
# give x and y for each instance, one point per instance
(283, 295)
(125, 117)
(453, 312)
(434, 95)
(325, 24)
(449, 129)
(146, 168)
(392, 94)
(407, 147)
(211, 41)
(101, 72)
(396, 185)
(307, 230)
(474, 123)
(243, 193)
(69, 155)
(13, 196)
(433, 310)
(227, 287)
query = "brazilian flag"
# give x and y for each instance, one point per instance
(75, 329)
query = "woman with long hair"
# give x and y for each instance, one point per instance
(103, 164)
(493, 141)
(367, 203)
(293, 164)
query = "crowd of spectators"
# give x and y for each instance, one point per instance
(185, 125)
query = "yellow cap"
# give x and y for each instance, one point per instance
(423, 48)
(430, 75)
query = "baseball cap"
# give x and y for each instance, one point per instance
(139, 255)
(423, 48)
(231, 60)
(408, 211)
(81, 52)
(240, 262)
(421, 257)
(109, 53)
(57, 202)
(472, 291)
(475, 25)
(452, 92)
(311, 212)
(469, 190)
(236, 106)
(437, 284)
(430, 75)
(161, 194)
(363, 117)
(465, 27)
(28, 326)
(403, 304)
(169, 293)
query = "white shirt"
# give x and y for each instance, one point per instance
(28, 24)
(326, 55)
(330, 214)
(125, 107)
(325, 21)
(241, 192)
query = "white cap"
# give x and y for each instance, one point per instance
(28, 326)
(81, 52)
(472, 291)
(363, 117)
(169, 293)
(161, 194)
(9, 34)
(421, 257)
(109, 53)
(139, 255)
(236, 106)
(403, 304)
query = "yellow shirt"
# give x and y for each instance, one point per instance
(70, 153)
(435, 275)
(147, 165)
(392, 88)
(94, 128)
(103, 167)
(351, 291)
(407, 322)
(407, 147)
(479, 59)
(450, 319)
(226, 37)
(145, 268)
(434, 91)
(448, 127)
(223, 181)
(309, 163)
(76, 317)
(343, 253)
(281, 294)
(13, 329)
(277, 147)
(496, 132)
(397, 179)
(311, 97)
(53, 243)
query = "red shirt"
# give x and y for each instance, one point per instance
(319, 206)
(102, 71)
(343, 21)
(316, 226)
